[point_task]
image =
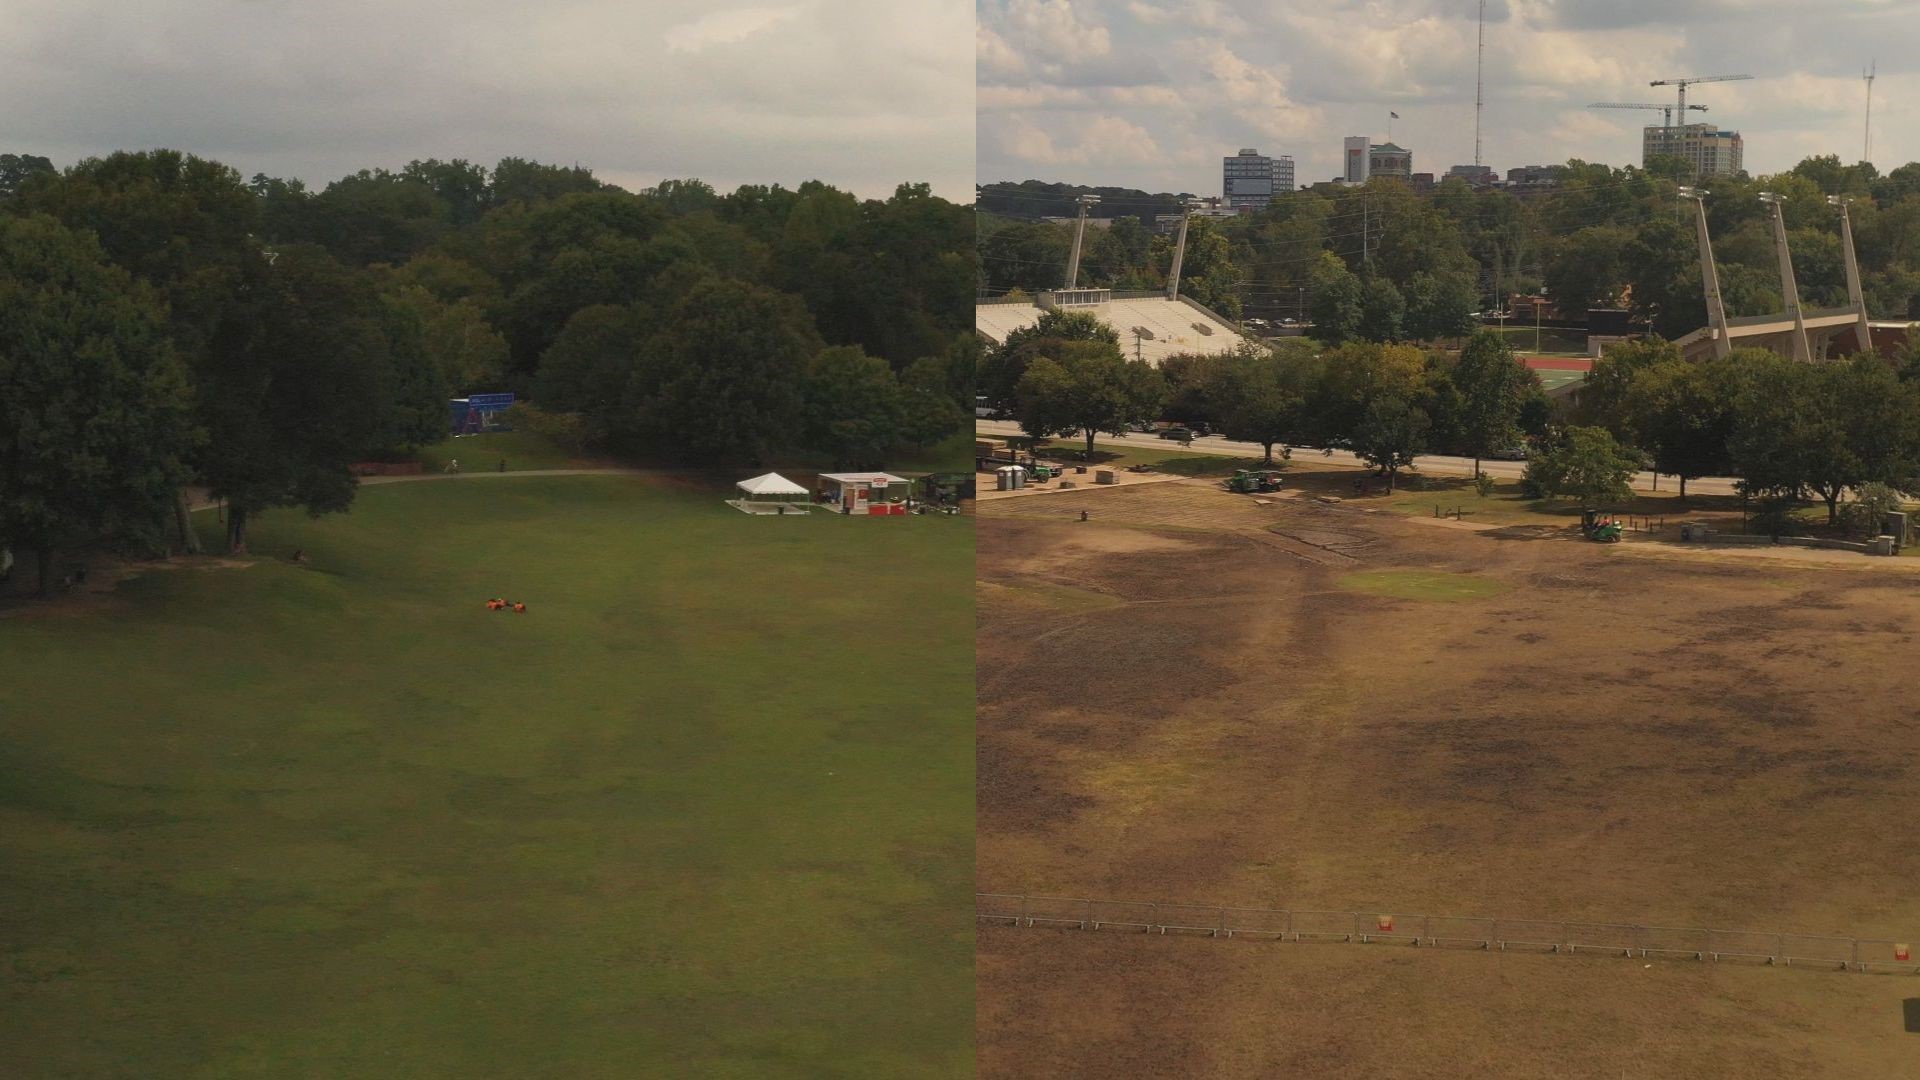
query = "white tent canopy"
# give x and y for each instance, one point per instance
(770, 484)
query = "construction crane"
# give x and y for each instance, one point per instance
(1666, 118)
(1684, 83)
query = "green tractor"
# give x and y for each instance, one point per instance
(1251, 481)
(1601, 528)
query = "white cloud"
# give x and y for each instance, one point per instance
(860, 93)
(1294, 78)
(1096, 140)
(726, 27)
(1057, 27)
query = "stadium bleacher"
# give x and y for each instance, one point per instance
(1173, 326)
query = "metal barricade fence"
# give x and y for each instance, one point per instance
(1191, 919)
(1123, 915)
(1390, 928)
(1814, 949)
(1529, 934)
(1323, 925)
(1883, 955)
(1265, 923)
(1459, 932)
(998, 908)
(1744, 945)
(1615, 938)
(1058, 911)
(1676, 942)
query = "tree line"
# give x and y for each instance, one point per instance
(165, 322)
(1390, 403)
(1788, 431)
(1380, 262)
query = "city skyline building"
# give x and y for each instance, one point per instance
(1249, 180)
(1709, 149)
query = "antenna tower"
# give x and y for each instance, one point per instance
(1479, 80)
(1866, 151)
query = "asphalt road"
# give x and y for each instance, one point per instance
(1437, 465)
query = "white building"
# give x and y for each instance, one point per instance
(1359, 158)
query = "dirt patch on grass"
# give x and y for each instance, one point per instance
(104, 575)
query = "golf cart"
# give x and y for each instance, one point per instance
(1251, 481)
(1600, 527)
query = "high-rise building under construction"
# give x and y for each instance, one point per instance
(1711, 151)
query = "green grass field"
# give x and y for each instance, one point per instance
(1421, 584)
(705, 810)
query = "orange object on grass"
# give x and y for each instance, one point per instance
(520, 608)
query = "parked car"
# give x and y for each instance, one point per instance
(1511, 453)
(1180, 433)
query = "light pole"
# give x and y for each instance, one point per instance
(1709, 276)
(1079, 231)
(1862, 329)
(1180, 249)
(1788, 288)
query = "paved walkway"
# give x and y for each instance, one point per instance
(1436, 464)
(197, 498)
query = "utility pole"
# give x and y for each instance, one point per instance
(1709, 276)
(1788, 289)
(1855, 296)
(1366, 210)
(1079, 231)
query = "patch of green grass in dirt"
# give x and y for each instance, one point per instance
(1052, 595)
(1421, 584)
(706, 809)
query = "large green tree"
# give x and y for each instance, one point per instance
(95, 417)
(1586, 465)
(300, 386)
(1086, 390)
(1004, 365)
(1390, 435)
(1337, 302)
(722, 377)
(1258, 399)
(1494, 386)
(854, 408)
(1683, 415)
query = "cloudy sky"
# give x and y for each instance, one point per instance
(1152, 93)
(860, 93)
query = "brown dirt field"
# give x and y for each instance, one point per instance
(1211, 716)
(1067, 1005)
